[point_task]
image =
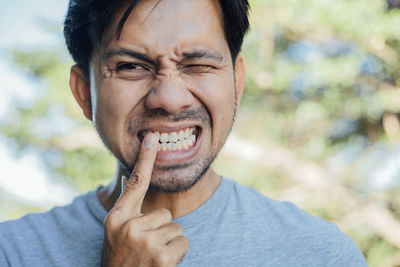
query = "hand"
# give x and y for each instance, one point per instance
(136, 239)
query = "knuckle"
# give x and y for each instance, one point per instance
(155, 252)
(151, 241)
(182, 242)
(176, 227)
(186, 243)
(133, 230)
(135, 181)
(164, 258)
(165, 213)
(142, 158)
(110, 222)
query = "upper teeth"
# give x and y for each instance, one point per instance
(174, 137)
(175, 141)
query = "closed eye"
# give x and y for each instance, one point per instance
(197, 68)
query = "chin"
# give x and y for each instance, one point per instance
(174, 179)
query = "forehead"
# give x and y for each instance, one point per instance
(166, 25)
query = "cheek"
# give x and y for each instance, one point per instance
(113, 108)
(218, 96)
(110, 106)
(222, 104)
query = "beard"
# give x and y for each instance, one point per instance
(174, 178)
(177, 178)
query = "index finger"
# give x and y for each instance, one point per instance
(132, 197)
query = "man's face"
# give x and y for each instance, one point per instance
(171, 73)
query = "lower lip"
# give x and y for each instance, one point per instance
(180, 156)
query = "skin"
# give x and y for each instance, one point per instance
(136, 239)
(174, 61)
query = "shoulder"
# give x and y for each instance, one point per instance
(52, 222)
(286, 213)
(37, 238)
(299, 233)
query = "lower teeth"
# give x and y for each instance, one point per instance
(180, 145)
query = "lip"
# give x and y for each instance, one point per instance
(165, 158)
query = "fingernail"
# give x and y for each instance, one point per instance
(149, 140)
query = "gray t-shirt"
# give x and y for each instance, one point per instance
(237, 226)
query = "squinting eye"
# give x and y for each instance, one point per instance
(132, 71)
(129, 66)
(197, 68)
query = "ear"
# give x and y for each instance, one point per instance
(80, 88)
(240, 75)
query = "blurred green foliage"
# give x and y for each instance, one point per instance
(322, 77)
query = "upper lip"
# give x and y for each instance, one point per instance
(169, 128)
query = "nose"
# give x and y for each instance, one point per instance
(169, 92)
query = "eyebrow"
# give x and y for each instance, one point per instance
(110, 53)
(196, 54)
(200, 54)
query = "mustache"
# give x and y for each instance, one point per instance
(196, 114)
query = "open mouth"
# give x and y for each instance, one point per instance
(175, 141)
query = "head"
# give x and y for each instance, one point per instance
(167, 66)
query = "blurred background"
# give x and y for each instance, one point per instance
(318, 125)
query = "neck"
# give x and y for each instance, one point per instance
(179, 204)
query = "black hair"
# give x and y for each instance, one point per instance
(86, 21)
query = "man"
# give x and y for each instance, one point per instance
(161, 80)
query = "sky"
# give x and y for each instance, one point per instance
(21, 27)
(20, 21)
